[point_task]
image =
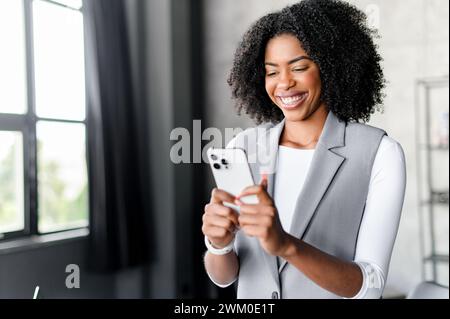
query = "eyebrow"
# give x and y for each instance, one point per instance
(290, 62)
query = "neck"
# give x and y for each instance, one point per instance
(304, 134)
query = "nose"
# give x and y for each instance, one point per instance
(286, 81)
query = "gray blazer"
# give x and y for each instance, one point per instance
(328, 212)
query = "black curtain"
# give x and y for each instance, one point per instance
(117, 160)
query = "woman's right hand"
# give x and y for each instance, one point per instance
(220, 222)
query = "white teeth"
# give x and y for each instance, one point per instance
(292, 99)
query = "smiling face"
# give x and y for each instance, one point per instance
(292, 78)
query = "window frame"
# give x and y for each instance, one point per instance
(27, 123)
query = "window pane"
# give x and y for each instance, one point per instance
(13, 85)
(76, 4)
(59, 61)
(11, 182)
(62, 176)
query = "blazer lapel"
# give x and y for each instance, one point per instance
(324, 166)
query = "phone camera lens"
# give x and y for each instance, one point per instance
(224, 162)
(213, 157)
(216, 166)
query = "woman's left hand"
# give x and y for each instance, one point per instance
(262, 221)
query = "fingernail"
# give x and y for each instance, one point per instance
(263, 178)
(238, 202)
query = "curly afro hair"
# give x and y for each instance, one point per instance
(335, 35)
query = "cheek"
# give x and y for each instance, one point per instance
(270, 88)
(312, 81)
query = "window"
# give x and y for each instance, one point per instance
(43, 172)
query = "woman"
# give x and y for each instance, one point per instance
(330, 204)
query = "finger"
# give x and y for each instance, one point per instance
(219, 221)
(257, 209)
(247, 220)
(255, 220)
(218, 209)
(264, 181)
(215, 233)
(259, 191)
(219, 196)
(251, 190)
(253, 231)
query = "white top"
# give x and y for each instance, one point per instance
(292, 168)
(381, 218)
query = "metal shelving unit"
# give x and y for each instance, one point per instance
(432, 198)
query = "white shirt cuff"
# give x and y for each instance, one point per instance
(373, 281)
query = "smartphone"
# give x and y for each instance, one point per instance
(232, 172)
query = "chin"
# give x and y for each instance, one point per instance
(295, 115)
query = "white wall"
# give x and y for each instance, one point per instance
(414, 43)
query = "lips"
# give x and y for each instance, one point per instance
(292, 101)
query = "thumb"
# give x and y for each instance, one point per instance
(263, 182)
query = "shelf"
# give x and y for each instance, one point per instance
(437, 198)
(434, 147)
(437, 258)
(427, 203)
(434, 82)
